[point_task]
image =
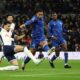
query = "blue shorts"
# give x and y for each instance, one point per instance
(57, 43)
(9, 52)
(36, 41)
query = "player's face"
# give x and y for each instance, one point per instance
(39, 14)
(54, 16)
(7, 27)
(10, 18)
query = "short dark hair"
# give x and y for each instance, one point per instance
(6, 22)
(9, 15)
(38, 10)
(54, 12)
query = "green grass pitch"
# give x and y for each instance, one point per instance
(43, 71)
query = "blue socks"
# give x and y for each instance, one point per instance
(46, 48)
(40, 55)
(53, 57)
(27, 60)
(65, 58)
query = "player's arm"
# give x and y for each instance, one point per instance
(51, 32)
(19, 37)
(12, 27)
(28, 22)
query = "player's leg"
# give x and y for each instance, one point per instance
(27, 59)
(9, 54)
(40, 55)
(54, 56)
(1, 56)
(46, 48)
(64, 47)
(11, 67)
(28, 52)
(57, 51)
(33, 50)
(1, 53)
(44, 45)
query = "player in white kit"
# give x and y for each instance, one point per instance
(9, 49)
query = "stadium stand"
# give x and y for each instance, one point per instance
(68, 11)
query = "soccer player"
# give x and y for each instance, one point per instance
(12, 27)
(10, 19)
(10, 49)
(38, 37)
(56, 33)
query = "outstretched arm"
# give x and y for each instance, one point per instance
(51, 32)
(28, 22)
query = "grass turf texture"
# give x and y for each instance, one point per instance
(43, 71)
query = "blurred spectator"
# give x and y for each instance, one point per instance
(24, 9)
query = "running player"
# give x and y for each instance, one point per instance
(38, 37)
(56, 33)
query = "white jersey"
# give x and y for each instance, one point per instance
(7, 36)
(12, 27)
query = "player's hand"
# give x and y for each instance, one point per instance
(23, 25)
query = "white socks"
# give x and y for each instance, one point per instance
(29, 54)
(1, 55)
(12, 67)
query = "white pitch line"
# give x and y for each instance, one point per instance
(49, 69)
(47, 75)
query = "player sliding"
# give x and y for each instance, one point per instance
(38, 37)
(56, 33)
(10, 18)
(10, 49)
(12, 27)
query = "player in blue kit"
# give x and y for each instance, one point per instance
(56, 34)
(38, 37)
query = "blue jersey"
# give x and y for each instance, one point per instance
(56, 28)
(38, 28)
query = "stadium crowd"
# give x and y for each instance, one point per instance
(27, 6)
(22, 10)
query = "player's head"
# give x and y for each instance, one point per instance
(54, 15)
(39, 13)
(6, 25)
(10, 18)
